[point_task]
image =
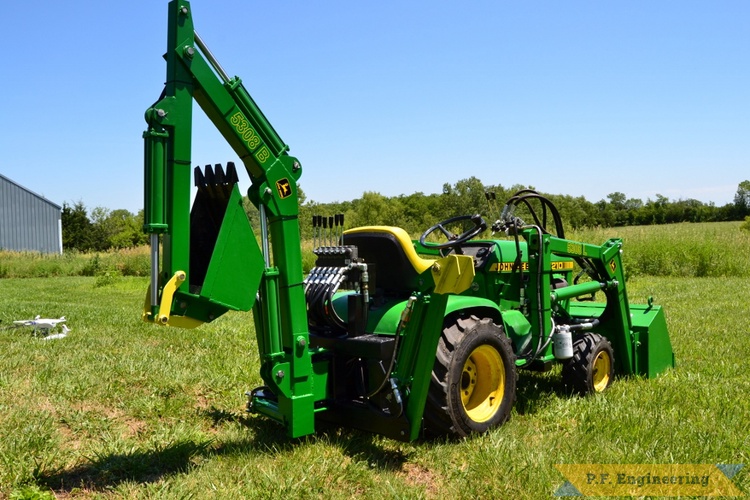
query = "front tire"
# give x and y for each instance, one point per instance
(592, 367)
(473, 384)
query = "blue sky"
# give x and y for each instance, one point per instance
(573, 97)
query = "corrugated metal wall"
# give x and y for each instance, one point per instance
(27, 220)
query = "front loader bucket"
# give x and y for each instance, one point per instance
(226, 264)
(653, 349)
(646, 349)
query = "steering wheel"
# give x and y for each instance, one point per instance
(454, 239)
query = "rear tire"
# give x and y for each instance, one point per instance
(473, 384)
(592, 367)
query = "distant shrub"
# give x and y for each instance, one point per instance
(308, 257)
(47, 268)
(745, 226)
(107, 277)
(92, 267)
(126, 262)
(132, 261)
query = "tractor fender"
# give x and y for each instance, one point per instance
(479, 307)
(384, 320)
(515, 324)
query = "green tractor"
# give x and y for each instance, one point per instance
(399, 337)
(528, 305)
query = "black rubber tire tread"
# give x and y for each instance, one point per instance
(577, 372)
(444, 413)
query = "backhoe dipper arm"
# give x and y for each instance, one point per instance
(188, 289)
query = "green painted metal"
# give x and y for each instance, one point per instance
(653, 349)
(630, 342)
(526, 285)
(417, 356)
(155, 140)
(573, 291)
(517, 327)
(193, 74)
(650, 345)
(231, 273)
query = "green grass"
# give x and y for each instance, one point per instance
(716, 249)
(123, 409)
(688, 250)
(124, 262)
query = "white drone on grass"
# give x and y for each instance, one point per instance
(46, 326)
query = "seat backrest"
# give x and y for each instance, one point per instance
(397, 265)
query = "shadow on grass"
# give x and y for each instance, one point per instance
(363, 446)
(535, 390)
(269, 437)
(220, 416)
(103, 472)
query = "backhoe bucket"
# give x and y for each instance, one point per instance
(653, 349)
(226, 264)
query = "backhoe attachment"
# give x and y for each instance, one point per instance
(208, 260)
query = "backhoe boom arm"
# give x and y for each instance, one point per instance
(211, 261)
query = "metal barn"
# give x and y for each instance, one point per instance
(28, 221)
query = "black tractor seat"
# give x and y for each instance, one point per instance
(393, 263)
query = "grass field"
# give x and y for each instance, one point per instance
(715, 249)
(120, 408)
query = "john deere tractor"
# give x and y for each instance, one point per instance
(392, 335)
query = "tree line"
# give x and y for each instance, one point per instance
(103, 229)
(418, 211)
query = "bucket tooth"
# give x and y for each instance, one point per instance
(210, 177)
(223, 187)
(211, 184)
(219, 175)
(231, 174)
(200, 179)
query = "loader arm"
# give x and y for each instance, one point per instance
(210, 258)
(608, 263)
(637, 333)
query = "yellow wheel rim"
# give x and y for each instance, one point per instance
(602, 369)
(482, 383)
